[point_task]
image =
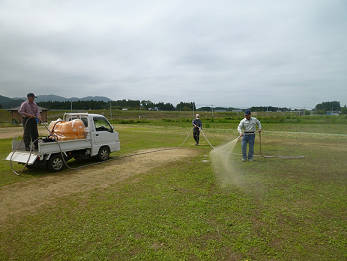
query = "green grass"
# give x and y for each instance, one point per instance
(143, 116)
(133, 138)
(289, 209)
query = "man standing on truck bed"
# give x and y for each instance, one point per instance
(197, 128)
(30, 112)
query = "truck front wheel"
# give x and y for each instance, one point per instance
(55, 163)
(104, 153)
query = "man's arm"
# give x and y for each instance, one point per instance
(259, 125)
(199, 124)
(38, 114)
(239, 128)
(22, 109)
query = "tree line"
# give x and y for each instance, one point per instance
(269, 108)
(332, 106)
(5, 102)
(320, 108)
(119, 104)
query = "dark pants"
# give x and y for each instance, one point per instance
(196, 134)
(30, 131)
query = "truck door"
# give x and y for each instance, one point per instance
(103, 134)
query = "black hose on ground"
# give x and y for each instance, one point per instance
(63, 157)
(31, 148)
(261, 154)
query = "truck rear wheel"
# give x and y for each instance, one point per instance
(104, 153)
(55, 163)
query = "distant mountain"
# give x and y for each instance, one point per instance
(95, 98)
(74, 99)
(52, 97)
(8, 103)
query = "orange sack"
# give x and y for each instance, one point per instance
(68, 130)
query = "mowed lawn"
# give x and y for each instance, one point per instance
(289, 209)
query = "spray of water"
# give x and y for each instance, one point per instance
(225, 165)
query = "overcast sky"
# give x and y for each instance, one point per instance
(234, 53)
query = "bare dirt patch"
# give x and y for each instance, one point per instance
(27, 197)
(12, 132)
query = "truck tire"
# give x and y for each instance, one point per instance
(104, 153)
(55, 163)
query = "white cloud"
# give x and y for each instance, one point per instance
(226, 53)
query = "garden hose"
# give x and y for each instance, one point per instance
(31, 148)
(63, 157)
(261, 154)
(140, 153)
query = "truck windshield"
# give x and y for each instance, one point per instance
(101, 124)
(84, 119)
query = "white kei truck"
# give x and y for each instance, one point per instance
(100, 140)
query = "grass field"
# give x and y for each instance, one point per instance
(286, 209)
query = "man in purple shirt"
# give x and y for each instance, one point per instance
(30, 112)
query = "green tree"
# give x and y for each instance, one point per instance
(206, 108)
(268, 108)
(307, 112)
(344, 110)
(182, 105)
(186, 108)
(165, 107)
(328, 106)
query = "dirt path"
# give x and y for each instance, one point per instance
(18, 132)
(27, 197)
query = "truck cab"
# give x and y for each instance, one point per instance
(99, 130)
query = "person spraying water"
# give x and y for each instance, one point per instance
(197, 124)
(248, 125)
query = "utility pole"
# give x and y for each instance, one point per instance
(193, 109)
(111, 109)
(71, 106)
(212, 109)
